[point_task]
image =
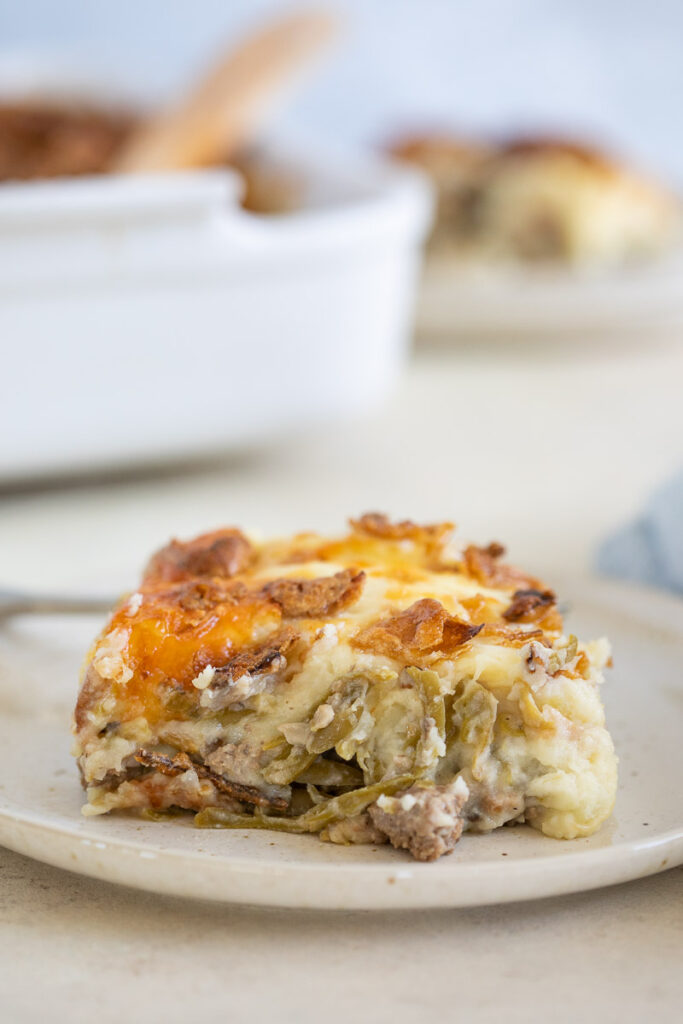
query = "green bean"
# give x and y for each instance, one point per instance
(160, 814)
(429, 684)
(330, 773)
(284, 770)
(218, 817)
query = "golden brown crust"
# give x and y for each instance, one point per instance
(438, 151)
(266, 656)
(222, 553)
(377, 524)
(510, 636)
(534, 606)
(202, 596)
(434, 152)
(315, 598)
(175, 629)
(533, 146)
(526, 604)
(483, 565)
(423, 628)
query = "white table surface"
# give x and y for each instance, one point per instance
(543, 450)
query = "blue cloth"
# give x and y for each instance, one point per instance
(650, 550)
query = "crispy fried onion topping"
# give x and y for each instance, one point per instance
(223, 553)
(511, 636)
(268, 656)
(423, 628)
(528, 604)
(205, 595)
(323, 596)
(483, 564)
(376, 524)
(182, 763)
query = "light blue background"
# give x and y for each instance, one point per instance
(609, 69)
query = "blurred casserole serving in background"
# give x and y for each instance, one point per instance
(542, 201)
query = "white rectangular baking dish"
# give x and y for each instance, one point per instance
(144, 319)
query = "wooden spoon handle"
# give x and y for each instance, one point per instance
(229, 104)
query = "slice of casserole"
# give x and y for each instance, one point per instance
(543, 201)
(387, 685)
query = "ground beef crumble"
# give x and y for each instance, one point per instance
(427, 821)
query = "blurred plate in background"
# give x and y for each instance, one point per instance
(549, 305)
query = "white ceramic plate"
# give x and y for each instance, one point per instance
(457, 303)
(40, 796)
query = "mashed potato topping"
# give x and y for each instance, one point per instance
(386, 685)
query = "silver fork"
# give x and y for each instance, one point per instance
(19, 602)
